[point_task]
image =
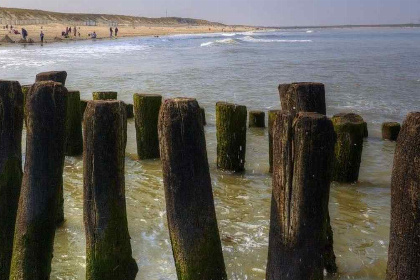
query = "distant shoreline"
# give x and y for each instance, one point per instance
(406, 25)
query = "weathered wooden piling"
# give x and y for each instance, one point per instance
(303, 97)
(231, 136)
(404, 249)
(146, 115)
(83, 105)
(256, 119)
(130, 111)
(188, 191)
(74, 138)
(105, 95)
(390, 131)
(108, 249)
(272, 114)
(349, 129)
(11, 120)
(303, 152)
(42, 179)
(56, 76)
(203, 115)
(25, 90)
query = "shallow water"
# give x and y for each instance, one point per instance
(373, 72)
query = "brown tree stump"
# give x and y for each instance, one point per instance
(108, 249)
(11, 122)
(404, 246)
(303, 97)
(190, 208)
(56, 76)
(256, 119)
(42, 179)
(390, 131)
(272, 114)
(303, 152)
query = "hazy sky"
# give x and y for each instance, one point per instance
(255, 12)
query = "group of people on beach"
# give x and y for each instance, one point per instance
(112, 31)
(67, 33)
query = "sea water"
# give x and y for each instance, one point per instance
(372, 72)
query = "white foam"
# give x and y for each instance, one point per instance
(309, 31)
(220, 42)
(254, 40)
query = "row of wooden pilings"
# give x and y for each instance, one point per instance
(308, 151)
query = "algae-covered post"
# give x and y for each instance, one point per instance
(390, 131)
(404, 248)
(188, 191)
(11, 120)
(231, 136)
(146, 115)
(303, 152)
(272, 114)
(350, 132)
(303, 97)
(203, 115)
(256, 119)
(74, 138)
(108, 249)
(56, 76)
(104, 95)
(130, 111)
(42, 179)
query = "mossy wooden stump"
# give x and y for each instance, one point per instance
(303, 97)
(83, 105)
(42, 179)
(130, 111)
(203, 115)
(390, 131)
(350, 131)
(56, 76)
(11, 123)
(272, 114)
(190, 208)
(105, 95)
(231, 136)
(404, 249)
(256, 119)
(108, 249)
(303, 152)
(146, 115)
(74, 138)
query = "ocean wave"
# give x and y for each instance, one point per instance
(255, 40)
(219, 42)
(309, 31)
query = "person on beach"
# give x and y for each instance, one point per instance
(75, 30)
(67, 31)
(42, 36)
(116, 31)
(110, 32)
(24, 33)
(93, 35)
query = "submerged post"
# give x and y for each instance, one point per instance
(303, 97)
(74, 138)
(256, 119)
(188, 191)
(56, 76)
(404, 249)
(231, 136)
(272, 114)
(42, 179)
(350, 132)
(105, 95)
(303, 150)
(11, 120)
(108, 249)
(390, 131)
(130, 111)
(146, 115)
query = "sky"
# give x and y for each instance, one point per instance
(248, 12)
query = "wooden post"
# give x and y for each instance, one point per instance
(11, 120)
(303, 152)
(108, 249)
(404, 248)
(146, 115)
(231, 136)
(348, 148)
(130, 111)
(203, 115)
(390, 131)
(74, 138)
(272, 114)
(42, 179)
(56, 76)
(189, 199)
(303, 97)
(256, 119)
(83, 105)
(105, 95)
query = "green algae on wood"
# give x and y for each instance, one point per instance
(272, 114)
(390, 131)
(303, 152)
(256, 119)
(190, 207)
(11, 123)
(42, 179)
(108, 249)
(350, 131)
(105, 95)
(56, 76)
(231, 136)
(404, 249)
(146, 115)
